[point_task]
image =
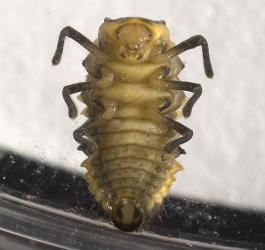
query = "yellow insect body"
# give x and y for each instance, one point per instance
(133, 97)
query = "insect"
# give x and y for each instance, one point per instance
(133, 98)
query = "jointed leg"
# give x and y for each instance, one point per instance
(87, 143)
(187, 86)
(156, 82)
(160, 73)
(184, 131)
(190, 43)
(71, 89)
(79, 38)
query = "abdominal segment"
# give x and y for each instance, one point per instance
(131, 174)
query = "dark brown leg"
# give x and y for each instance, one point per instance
(183, 130)
(81, 135)
(155, 81)
(71, 89)
(187, 86)
(190, 43)
(79, 38)
(160, 73)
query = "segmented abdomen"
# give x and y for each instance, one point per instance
(130, 165)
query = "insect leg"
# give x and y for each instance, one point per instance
(190, 43)
(183, 130)
(160, 73)
(71, 89)
(87, 143)
(79, 38)
(156, 81)
(187, 86)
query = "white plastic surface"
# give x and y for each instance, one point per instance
(226, 157)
